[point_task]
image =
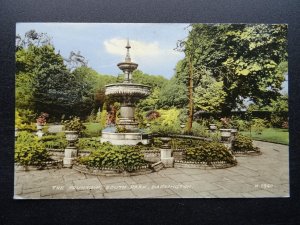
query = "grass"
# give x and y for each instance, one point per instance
(274, 135)
(92, 129)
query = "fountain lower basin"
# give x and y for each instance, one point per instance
(131, 138)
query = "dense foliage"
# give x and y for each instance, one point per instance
(243, 144)
(121, 158)
(29, 151)
(55, 141)
(74, 124)
(88, 144)
(230, 64)
(209, 152)
(167, 123)
(249, 60)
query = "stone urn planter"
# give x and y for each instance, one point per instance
(234, 132)
(71, 136)
(225, 134)
(71, 150)
(39, 128)
(166, 142)
(213, 127)
(166, 152)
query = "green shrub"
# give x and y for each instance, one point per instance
(103, 116)
(91, 133)
(258, 125)
(57, 141)
(88, 144)
(277, 119)
(27, 115)
(243, 144)
(209, 152)
(74, 124)
(140, 118)
(122, 158)
(22, 123)
(169, 117)
(200, 130)
(121, 129)
(92, 117)
(30, 151)
(92, 130)
(165, 129)
(167, 123)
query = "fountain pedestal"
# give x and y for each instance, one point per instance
(127, 118)
(166, 153)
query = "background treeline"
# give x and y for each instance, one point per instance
(224, 67)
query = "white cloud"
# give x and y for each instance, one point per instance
(149, 55)
(139, 50)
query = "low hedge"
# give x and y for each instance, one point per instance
(209, 152)
(243, 143)
(30, 151)
(121, 158)
(89, 144)
(55, 141)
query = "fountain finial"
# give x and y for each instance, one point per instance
(128, 59)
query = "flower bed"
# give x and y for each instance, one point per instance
(204, 155)
(243, 146)
(114, 158)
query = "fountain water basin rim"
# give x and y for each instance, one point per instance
(127, 89)
(123, 138)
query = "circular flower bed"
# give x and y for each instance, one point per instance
(109, 159)
(206, 155)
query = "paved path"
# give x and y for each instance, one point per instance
(256, 176)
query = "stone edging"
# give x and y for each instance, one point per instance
(109, 172)
(48, 165)
(202, 165)
(246, 153)
(62, 150)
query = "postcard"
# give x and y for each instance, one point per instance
(151, 110)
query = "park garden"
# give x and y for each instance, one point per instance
(225, 92)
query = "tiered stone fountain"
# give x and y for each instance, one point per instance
(127, 93)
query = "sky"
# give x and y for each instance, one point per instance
(103, 44)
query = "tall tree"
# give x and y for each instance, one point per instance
(244, 57)
(173, 94)
(44, 83)
(209, 94)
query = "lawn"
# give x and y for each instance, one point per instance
(275, 135)
(93, 129)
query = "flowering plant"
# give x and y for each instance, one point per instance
(74, 124)
(42, 119)
(225, 122)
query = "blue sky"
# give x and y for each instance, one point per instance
(103, 45)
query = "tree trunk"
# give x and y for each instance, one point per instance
(191, 105)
